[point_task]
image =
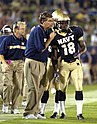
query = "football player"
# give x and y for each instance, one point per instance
(69, 40)
(52, 77)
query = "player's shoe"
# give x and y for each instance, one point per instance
(80, 117)
(15, 111)
(39, 116)
(63, 116)
(29, 116)
(55, 115)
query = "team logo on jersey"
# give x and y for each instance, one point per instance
(45, 39)
(66, 39)
(67, 43)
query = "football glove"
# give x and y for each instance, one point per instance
(76, 55)
(56, 74)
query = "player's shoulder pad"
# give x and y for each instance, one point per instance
(77, 30)
(75, 27)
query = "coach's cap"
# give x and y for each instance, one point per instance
(6, 28)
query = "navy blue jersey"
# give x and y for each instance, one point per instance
(68, 43)
(13, 48)
(36, 44)
(2, 37)
(51, 51)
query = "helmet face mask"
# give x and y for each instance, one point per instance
(63, 25)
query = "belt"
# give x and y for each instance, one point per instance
(70, 61)
(9, 61)
(27, 59)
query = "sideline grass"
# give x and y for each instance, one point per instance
(89, 112)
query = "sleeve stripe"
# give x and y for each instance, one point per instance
(80, 39)
(17, 47)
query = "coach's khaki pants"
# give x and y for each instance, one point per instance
(12, 82)
(1, 81)
(33, 72)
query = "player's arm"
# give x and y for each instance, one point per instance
(82, 46)
(79, 34)
(54, 57)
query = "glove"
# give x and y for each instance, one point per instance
(76, 55)
(56, 74)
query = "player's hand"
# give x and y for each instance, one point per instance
(76, 55)
(56, 74)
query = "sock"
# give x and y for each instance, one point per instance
(56, 107)
(79, 101)
(79, 105)
(43, 106)
(44, 100)
(62, 107)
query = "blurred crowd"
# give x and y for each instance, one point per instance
(81, 12)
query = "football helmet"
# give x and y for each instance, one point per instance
(6, 29)
(62, 19)
(56, 14)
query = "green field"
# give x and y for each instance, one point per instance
(89, 110)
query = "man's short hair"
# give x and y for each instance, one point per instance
(43, 16)
(17, 24)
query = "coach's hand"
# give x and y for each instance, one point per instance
(52, 35)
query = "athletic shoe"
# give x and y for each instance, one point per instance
(80, 117)
(15, 111)
(39, 116)
(30, 116)
(5, 109)
(55, 115)
(63, 116)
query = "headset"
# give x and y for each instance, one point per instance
(17, 24)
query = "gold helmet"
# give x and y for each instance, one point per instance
(59, 15)
(61, 18)
(56, 14)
